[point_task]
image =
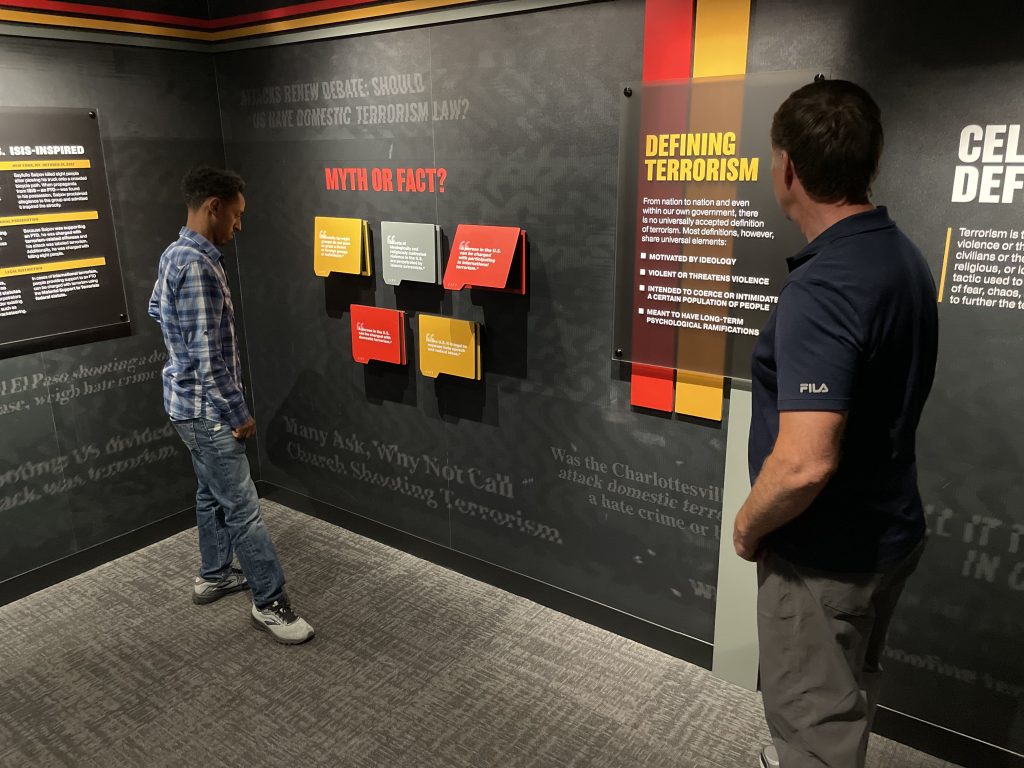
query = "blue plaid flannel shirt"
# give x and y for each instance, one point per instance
(192, 303)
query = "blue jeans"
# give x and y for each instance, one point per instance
(228, 511)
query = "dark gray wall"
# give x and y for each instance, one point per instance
(122, 467)
(536, 148)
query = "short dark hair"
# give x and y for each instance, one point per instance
(832, 130)
(204, 182)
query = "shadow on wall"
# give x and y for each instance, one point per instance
(392, 383)
(342, 291)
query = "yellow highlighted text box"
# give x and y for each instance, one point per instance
(47, 218)
(43, 165)
(53, 266)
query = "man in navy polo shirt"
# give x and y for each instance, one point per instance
(841, 373)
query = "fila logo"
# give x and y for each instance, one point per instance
(814, 389)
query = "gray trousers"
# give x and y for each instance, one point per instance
(821, 637)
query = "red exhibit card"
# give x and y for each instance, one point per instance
(487, 257)
(378, 334)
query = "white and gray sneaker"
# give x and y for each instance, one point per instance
(204, 592)
(280, 621)
(769, 757)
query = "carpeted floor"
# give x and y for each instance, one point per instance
(413, 665)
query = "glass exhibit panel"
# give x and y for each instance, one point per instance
(60, 276)
(701, 245)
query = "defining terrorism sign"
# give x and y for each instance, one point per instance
(60, 277)
(701, 249)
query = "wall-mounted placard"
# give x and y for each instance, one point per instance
(341, 245)
(702, 244)
(60, 277)
(451, 346)
(411, 252)
(487, 257)
(378, 334)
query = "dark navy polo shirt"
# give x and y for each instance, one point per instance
(855, 330)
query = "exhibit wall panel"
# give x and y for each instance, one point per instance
(86, 451)
(331, 429)
(540, 150)
(953, 656)
(542, 467)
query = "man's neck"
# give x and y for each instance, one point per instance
(817, 217)
(198, 224)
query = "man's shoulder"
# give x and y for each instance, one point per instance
(182, 254)
(868, 257)
(864, 274)
(181, 251)
(880, 238)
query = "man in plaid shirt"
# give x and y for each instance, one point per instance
(203, 397)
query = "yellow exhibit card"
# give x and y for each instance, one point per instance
(340, 245)
(449, 346)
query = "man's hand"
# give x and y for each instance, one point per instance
(245, 431)
(745, 546)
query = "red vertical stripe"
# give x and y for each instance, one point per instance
(668, 40)
(668, 55)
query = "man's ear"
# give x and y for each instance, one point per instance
(788, 171)
(213, 205)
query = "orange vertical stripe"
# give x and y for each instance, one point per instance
(721, 37)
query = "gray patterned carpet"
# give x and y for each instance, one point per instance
(413, 665)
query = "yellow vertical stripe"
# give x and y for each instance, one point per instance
(720, 38)
(721, 35)
(700, 395)
(945, 263)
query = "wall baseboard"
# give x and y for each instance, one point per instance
(47, 575)
(926, 737)
(665, 640)
(941, 742)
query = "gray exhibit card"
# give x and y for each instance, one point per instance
(411, 252)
